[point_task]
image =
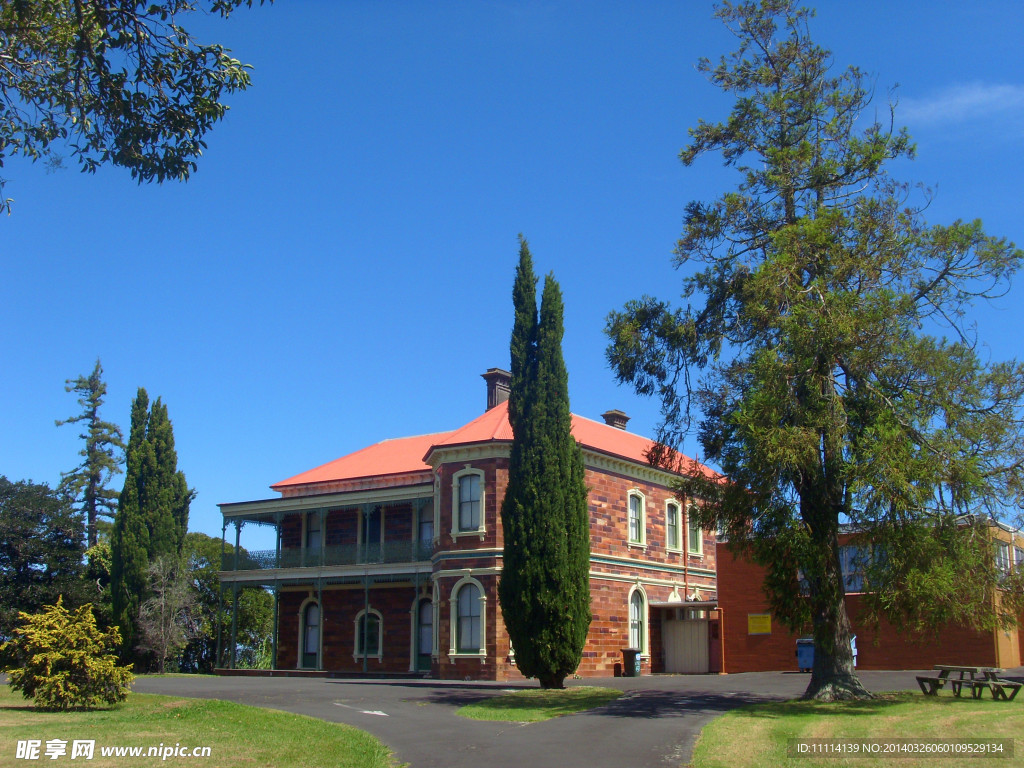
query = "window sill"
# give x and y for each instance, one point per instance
(481, 532)
(452, 655)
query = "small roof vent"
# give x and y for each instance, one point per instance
(615, 419)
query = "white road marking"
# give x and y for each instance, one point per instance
(363, 711)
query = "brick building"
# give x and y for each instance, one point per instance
(387, 560)
(755, 642)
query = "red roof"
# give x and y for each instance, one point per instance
(493, 425)
(388, 457)
(409, 454)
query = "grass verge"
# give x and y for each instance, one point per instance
(237, 735)
(533, 705)
(758, 736)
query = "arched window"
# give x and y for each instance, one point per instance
(468, 625)
(672, 540)
(310, 635)
(635, 514)
(638, 621)
(369, 634)
(468, 502)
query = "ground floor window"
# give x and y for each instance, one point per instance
(311, 636)
(369, 634)
(637, 620)
(468, 625)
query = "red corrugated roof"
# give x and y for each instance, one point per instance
(388, 457)
(595, 435)
(409, 454)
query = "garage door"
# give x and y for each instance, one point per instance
(686, 646)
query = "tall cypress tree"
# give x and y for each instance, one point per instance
(545, 584)
(153, 515)
(129, 545)
(101, 460)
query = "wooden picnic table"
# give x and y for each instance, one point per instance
(976, 678)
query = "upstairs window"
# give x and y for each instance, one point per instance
(672, 526)
(313, 531)
(853, 561)
(468, 502)
(1003, 559)
(694, 534)
(636, 518)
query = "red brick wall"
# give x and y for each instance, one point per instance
(342, 526)
(340, 609)
(740, 593)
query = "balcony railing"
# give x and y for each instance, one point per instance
(346, 554)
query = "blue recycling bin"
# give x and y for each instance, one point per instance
(805, 654)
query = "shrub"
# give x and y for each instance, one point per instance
(60, 659)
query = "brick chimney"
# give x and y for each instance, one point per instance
(499, 382)
(615, 419)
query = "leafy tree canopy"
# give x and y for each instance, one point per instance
(119, 82)
(825, 341)
(41, 547)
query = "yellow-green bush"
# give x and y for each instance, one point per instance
(60, 659)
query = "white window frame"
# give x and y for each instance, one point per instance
(670, 545)
(641, 540)
(644, 628)
(699, 550)
(453, 635)
(456, 482)
(1003, 555)
(853, 561)
(357, 636)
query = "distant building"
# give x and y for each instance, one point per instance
(756, 642)
(387, 560)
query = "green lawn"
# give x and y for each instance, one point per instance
(758, 736)
(236, 734)
(533, 705)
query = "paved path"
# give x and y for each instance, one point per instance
(654, 725)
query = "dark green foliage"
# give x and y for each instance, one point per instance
(61, 660)
(255, 609)
(41, 547)
(102, 454)
(816, 354)
(120, 83)
(545, 583)
(153, 514)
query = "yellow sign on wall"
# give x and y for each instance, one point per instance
(759, 623)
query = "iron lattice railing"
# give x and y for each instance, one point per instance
(345, 554)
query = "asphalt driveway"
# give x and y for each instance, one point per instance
(654, 725)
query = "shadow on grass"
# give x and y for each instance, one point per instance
(871, 707)
(639, 705)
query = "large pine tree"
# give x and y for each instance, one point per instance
(87, 482)
(545, 584)
(153, 515)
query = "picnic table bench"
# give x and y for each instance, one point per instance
(977, 679)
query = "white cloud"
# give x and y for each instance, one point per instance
(961, 103)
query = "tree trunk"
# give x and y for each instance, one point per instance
(832, 676)
(552, 682)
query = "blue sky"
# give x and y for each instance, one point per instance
(339, 270)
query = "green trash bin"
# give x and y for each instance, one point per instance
(631, 662)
